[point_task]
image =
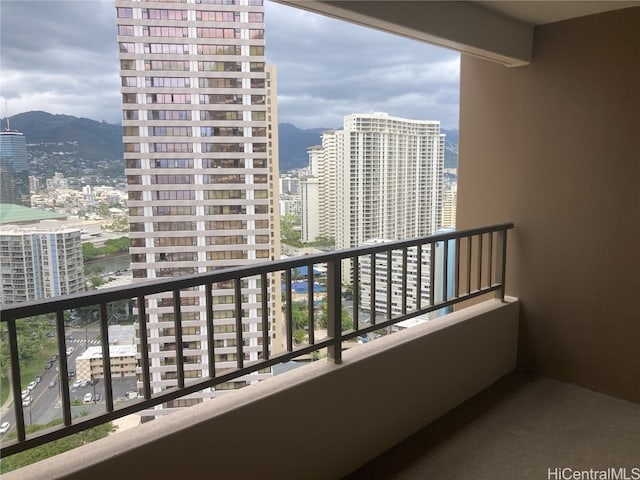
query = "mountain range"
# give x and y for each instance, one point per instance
(83, 147)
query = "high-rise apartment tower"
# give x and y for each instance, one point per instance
(14, 168)
(200, 136)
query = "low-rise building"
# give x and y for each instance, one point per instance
(123, 362)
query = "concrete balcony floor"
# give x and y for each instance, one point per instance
(518, 429)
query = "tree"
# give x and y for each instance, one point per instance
(347, 321)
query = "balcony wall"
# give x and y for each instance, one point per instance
(318, 421)
(553, 146)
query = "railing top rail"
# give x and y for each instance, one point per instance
(150, 287)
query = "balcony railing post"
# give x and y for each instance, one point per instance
(334, 309)
(501, 267)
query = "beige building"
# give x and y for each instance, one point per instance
(201, 149)
(123, 359)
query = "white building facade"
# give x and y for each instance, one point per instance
(200, 134)
(40, 261)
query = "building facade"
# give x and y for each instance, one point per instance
(40, 261)
(200, 135)
(14, 169)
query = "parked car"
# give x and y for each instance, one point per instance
(54, 357)
(70, 350)
(25, 394)
(31, 386)
(48, 365)
(96, 398)
(4, 427)
(76, 384)
(27, 401)
(38, 379)
(88, 397)
(52, 383)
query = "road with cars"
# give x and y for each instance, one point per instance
(42, 399)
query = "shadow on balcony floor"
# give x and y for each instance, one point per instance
(519, 428)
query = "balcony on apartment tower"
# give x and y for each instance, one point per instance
(535, 373)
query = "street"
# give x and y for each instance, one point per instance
(47, 401)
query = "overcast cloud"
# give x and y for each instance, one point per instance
(61, 57)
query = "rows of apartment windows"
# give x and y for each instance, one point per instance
(201, 15)
(187, 115)
(182, 147)
(206, 163)
(186, 98)
(201, 32)
(172, 131)
(185, 82)
(183, 49)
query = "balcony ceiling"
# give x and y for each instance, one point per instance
(542, 12)
(500, 31)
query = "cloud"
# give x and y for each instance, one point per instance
(61, 57)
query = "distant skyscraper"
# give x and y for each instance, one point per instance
(14, 169)
(200, 135)
(40, 261)
(381, 179)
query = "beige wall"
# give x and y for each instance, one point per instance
(553, 147)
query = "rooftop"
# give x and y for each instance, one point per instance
(10, 213)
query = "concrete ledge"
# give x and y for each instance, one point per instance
(318, 421)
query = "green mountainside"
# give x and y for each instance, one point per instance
(80, 147)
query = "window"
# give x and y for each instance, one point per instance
(170, 147)
(172, 163)
(203, 32)
(256, 66)
(171, 65)
(168, 115)
(219, 50)
(222, 147)
(224, 194)
(170, 131)
(256, 50)
(175, 241)
(173, 195)
(217, 16)
(220, 83)
(222, 163)
(220, 115)
(175, 210)
(219, 66)
(124, 12)
(125, 30)
(163, 14)
(173, 82)
(172, 179)
(149, 31)
(173, 226)
(164, 48)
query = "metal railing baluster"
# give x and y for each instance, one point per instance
(310, 299)
(265, 316)
(238, 307)
(289, 309)
(106, 364)
(144, 353)
(389, 283)
(15, 378)
(177, 331)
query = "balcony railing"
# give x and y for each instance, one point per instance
(430, 273)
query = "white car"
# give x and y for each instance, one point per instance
(31, 386)
(25, 394)
(88, 397)
(27, 401)
(77, 384)
(4, 427)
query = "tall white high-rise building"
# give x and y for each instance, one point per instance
(200, 135)
(381, 179)
(40, 261)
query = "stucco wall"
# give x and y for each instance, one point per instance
(554, 147)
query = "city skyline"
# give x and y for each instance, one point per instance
(321, 72)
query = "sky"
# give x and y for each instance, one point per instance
(61, 57)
